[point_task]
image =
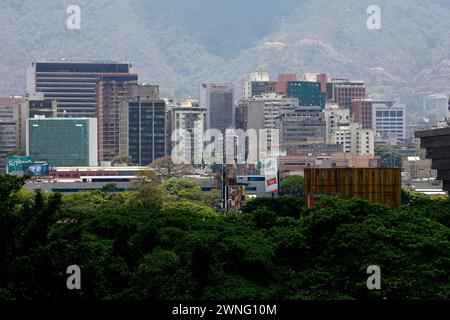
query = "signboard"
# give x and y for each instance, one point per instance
(270, 171)
(15, 163)
(37, 169)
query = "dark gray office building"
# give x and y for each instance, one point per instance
(304, 124)
(218, 101)
(142, 130)
(72, 84)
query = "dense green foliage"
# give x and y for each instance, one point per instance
(293, 186)
(17, 152)
(390, 158)
(161, 247)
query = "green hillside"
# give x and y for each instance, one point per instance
(179, 43)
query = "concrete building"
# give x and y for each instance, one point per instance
(218, 101)
(334, 117)
(313, 149)
(417, 168)
(29, 108)
(296, 164)
(66, 142)
(8, 107)
(7, 140)
(317, 77)
(354, 138)
(8, 128)
(430, 187)
(362, 112)
(389, 119)
(142, 131)
(254, 185)
(261, 112)
(259, 84)
(437, 145)
(282, 83)
(191, 123)
(68, 180)
(72, 84)
(302, 125)
(111, 90)
(344, 91)
(190, 103)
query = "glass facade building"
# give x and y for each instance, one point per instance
(308, 93)
(63, 142)
(143, 130)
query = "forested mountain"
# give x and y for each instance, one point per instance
(179, 43)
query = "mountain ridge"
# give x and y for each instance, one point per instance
(179, 45)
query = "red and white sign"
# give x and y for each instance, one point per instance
(270, 171)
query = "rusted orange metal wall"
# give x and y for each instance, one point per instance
(377, 185)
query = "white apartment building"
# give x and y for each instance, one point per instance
(258, 84)
(261, 112)
(354, 138)
(334, 116)
(188, 125)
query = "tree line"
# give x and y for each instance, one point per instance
(162, 240)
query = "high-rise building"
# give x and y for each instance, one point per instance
(8, 128)
(344, 91)
(354, 138)
(30, 108)
(8, 107)
(282, 84)
(261, 112)
(187, 126)
(112, 89)
(72, 84)
(362, 112)
(259, 84)
(63, 142)
(334, 117)
(7, 140)
(190, 103)
(302, 125)
(317, 77)
(218, 101)
(436, 142)
(150, 91)
(308, 93)
(389, 119)
(142, 130)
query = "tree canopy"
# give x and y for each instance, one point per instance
(17, 152)
(142, 244)
(121, 160)
(165, 168)
(293, 186)
(390, 158)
